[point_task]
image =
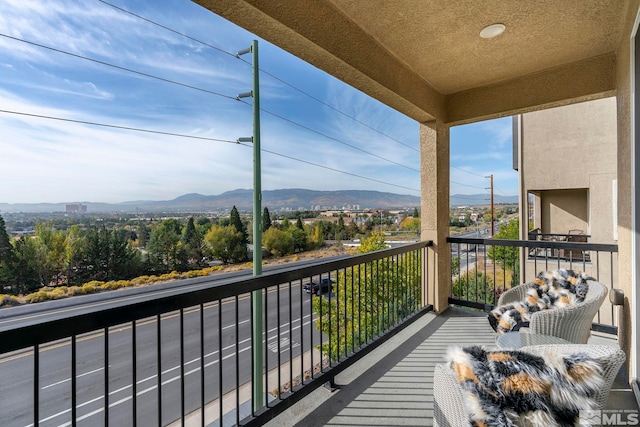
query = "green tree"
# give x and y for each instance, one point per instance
(351, 231)
(278, 242)
(27, 277)
(193, 244)
(299, 237)
(299, 224)
(368, 300)
(144, 233)
(166, 250)
(236, 221)
(7, 257)
(226, 243)
(105, 255)
(51, 253)
(316, 240)
(266, 220)
(507, 257)
(416, 214)
(374, 242)
(475, 286)
(410, 224)
(285, 224)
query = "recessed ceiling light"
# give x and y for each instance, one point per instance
(493, 30)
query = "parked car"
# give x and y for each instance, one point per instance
(325, 286)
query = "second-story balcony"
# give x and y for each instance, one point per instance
(245, 351)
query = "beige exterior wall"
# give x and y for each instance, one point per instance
(569, 162)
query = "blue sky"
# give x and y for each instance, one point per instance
(47, 160)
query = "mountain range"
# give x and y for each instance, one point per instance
(293, 198)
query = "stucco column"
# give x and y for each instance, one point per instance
(434, 184)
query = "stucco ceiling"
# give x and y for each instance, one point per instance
(440, 40)
(426, 58)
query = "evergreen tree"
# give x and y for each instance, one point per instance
(416, 214)
(236, 221)
(193, 244)
(7, 258)
(299, 224)
(26, 269)
(165, 247)
(266, 220)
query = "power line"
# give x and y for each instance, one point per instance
(467, 185)
(333, 169)
(199, 89)
(200, 138)
(261, 69)
(333, 139)
(469, 172)
(86, 58)
(338, 111)
(503, 192)
(116, 126)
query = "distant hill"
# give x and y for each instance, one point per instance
(292, 198)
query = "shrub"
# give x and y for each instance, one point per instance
(141, 280)
(74, 290)
(9, 301)
(57, 293)
(92, 287)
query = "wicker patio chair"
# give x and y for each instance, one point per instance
(609, 358)
(448, 400)
(571, 323)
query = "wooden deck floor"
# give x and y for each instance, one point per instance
(393, 386)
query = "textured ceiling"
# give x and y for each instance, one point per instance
(440, 40)
(426, 58)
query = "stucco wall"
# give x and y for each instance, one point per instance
(569, 158)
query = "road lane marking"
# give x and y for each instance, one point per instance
(143, 322)
(69, 379)
(155, 386)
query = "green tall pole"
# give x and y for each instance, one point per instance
(258, 395)
(256, 296)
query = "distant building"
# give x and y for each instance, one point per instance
(76, 208)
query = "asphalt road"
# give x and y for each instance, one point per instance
(224, 345)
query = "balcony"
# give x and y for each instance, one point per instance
(189, 348)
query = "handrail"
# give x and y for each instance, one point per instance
(375, 295)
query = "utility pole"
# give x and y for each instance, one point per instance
(256, 296)
(492, 217)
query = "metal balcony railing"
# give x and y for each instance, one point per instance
(562, 252)
(484, 268)
(185, 354)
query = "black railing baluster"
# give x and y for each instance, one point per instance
(74, 382)
(106, 376)
(159, 366)
(237, 328)
(302, 333)
(220, 360)
(279, 321)
(383, 278)
(202, 365)
(134, 375)
(554, 254)
(36, 385)
(265, 350)
(311, 329)
(291, 337)
(182, 379)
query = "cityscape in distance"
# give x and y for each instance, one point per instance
(282, 199)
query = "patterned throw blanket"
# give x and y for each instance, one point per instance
(551, 289)
(514, 388)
